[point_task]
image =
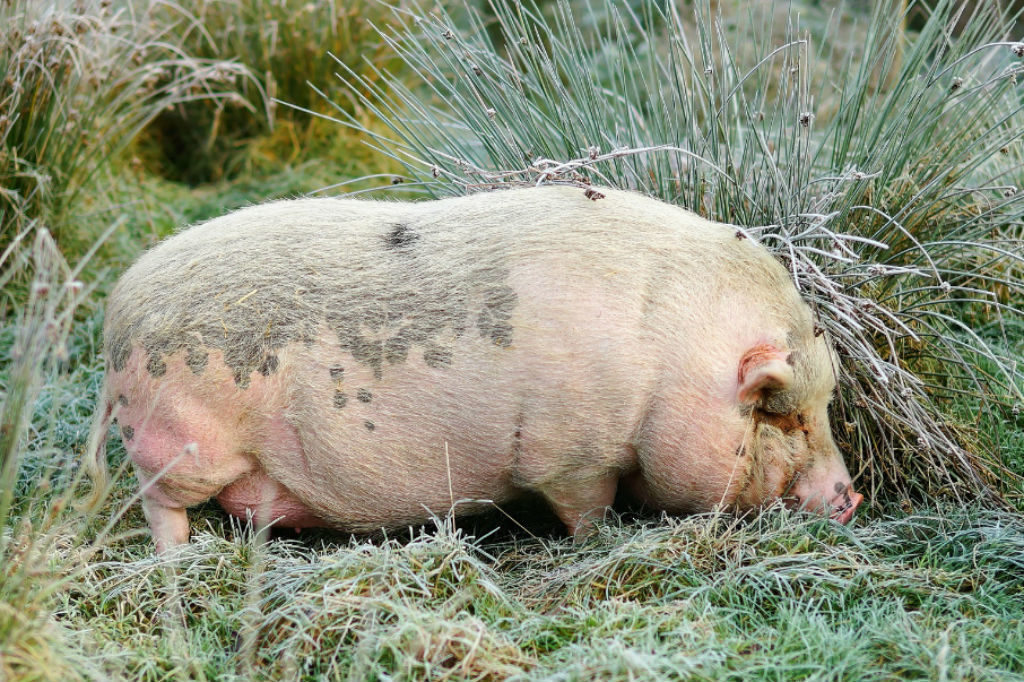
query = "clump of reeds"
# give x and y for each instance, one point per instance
(882, 166)
(80, 80)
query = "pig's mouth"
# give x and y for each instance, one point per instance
(840, 508)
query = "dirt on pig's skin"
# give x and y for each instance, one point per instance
(365, 364)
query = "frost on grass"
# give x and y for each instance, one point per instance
(709, 595)
(37, 518)
(80, 81)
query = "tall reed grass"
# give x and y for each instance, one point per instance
(882, 166)
(36, 512)
(81, 79)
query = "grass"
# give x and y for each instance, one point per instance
(934, 596)
(927, 584)
(81, 80)
(285, 47)
(98, 99)
(34, 501)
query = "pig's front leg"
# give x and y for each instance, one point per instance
(581, 503)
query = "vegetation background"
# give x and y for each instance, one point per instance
(875, 147)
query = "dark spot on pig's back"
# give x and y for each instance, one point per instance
(400, 237)
(500, 301)
(381, 307)
(269, 365)
(244, 357)
(337, 373)
(370, 426)
(118, 352)
(242, 379)
(340, 399)
(499, 332)
(492, 322)
(396, 349)
(363, 395)
(364, 351)
(127, 432)
(122, 399)
(438, 357)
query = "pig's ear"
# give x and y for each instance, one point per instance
(763, 369)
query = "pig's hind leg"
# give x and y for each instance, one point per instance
(179, 463)
(168, 520)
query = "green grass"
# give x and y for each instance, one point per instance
(921, 586)
(285, 47)
(937, 595)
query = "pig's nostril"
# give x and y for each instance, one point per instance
(843, 513)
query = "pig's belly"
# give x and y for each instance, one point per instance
(403, 472)
(268, 502)
(395, 448)
(376, 452)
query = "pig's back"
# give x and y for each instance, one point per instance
(261, 277)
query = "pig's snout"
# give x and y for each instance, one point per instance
(845, 503)
(839, 502)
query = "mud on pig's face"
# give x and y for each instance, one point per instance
(788, 442)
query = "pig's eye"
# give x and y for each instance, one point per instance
(784, 422)
(779, 402)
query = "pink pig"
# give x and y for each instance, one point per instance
(363, 364)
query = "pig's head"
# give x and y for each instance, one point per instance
(784, 392)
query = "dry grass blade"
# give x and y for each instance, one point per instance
(33, 525)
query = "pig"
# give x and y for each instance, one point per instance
(366, 364)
